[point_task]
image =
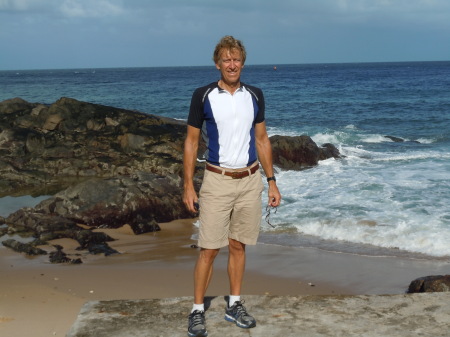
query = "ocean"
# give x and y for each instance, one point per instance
(389, 195)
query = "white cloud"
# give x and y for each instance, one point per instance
(68, 8)
(89, 8)
(25, 5)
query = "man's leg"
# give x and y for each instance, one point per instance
(203, 272)
(202, 277)
(236, 266)
(235, 311)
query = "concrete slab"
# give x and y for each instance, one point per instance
(373, 315)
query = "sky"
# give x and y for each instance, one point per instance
(71, 34)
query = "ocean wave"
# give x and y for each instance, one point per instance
(426, 141)
(403, 235)
(374, 139)
(370, 202)
(431, 155)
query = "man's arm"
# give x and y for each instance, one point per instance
(189, 160)
(265, 158)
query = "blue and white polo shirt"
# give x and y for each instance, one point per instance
(228, 123)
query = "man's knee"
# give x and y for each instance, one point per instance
(208, 255)
(236, 247)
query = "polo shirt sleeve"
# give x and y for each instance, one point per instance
(196, 115)
(260, 116)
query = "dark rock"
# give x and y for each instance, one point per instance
(395, 139)
(294, 153)
(28, 219)
(59, 256)
(87, 237)
(438, 283)
(328, 151)
(76, 261)
(142, 227)
(101, 248)
(26, 248)
(16, 106)
(115, 202)
(299, 152)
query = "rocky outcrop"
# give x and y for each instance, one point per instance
(427, 284)
(44, 149)
(138, 200)
(105, 167)
(296, 153)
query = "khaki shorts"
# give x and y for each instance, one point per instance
(229, 208)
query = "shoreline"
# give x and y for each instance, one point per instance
(38, 298)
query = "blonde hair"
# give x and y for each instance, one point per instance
(229, 43)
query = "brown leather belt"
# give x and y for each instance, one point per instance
(233, 174)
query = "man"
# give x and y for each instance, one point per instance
(230, 115)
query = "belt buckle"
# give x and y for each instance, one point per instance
(236, 175)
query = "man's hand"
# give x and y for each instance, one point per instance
(274, 195)
(190, 199)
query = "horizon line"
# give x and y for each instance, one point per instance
(212, 65)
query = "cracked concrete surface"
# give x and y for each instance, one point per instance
(369, 315)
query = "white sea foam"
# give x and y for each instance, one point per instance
(425, 141)
(374, 139)
(322, 138)
(419, 155)
(364, 201)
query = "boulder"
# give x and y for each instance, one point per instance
(114, 202)
(15, 106)
(328, 151)
(427, 284)
(299, 152)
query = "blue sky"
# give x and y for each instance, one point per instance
(53, 34)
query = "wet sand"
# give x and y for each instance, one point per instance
(38, 298)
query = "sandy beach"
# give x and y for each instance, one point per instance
(39, 299)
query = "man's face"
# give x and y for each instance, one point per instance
(230, 65)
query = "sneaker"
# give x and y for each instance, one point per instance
(197, 327)
(238, 314)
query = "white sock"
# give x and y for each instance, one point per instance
(233, 298)
(200, 307)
